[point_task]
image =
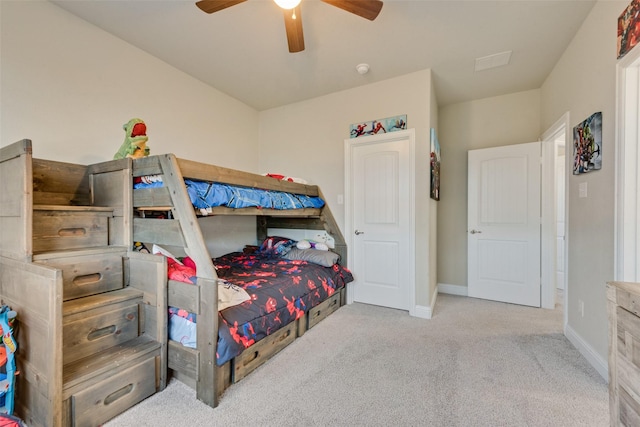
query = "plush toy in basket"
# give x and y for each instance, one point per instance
(135, 140)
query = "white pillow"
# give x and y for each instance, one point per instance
(323, 258)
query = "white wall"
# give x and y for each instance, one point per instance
(490, 122)
(582, 83)
(69, 86)
(306, 140)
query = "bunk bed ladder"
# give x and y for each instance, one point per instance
(183, 231)
(196, 248)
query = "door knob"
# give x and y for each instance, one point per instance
(358, 232)
(475, 231)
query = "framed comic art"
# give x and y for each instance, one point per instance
(434, 163)
(587, 145)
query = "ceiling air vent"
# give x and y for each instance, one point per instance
(493, 61)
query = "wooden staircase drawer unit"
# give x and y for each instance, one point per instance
(260, 352)
(84, 275)
(112, 396)
(324, 309)
(62, 228)
(92, 330)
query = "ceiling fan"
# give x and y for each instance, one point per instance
(368, 9)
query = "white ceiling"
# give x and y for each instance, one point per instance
(242, 50)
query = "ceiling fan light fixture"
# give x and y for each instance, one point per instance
(287, 4)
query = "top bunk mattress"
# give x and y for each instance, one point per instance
(206, 195)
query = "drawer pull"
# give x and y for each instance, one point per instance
(71, 232)
(118, 394)
(87, 279)
(285, 335)
(334, 302)
(255, 356)
(100, 333)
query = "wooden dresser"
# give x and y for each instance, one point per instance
(623, 305)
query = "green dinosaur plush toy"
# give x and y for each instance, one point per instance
(135, 140)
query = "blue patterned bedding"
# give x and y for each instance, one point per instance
(206, 195)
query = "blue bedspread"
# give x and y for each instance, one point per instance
(205, 195)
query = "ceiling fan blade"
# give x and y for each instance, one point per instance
(293, 26)
(211, 6)
(368, 9)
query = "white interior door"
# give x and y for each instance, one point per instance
(504, 224)
(379, 212)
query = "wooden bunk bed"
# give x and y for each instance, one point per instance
(182, 235)
(67, 264)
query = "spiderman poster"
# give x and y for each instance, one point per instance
(373, 127)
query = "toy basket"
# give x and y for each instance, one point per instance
(8, 348)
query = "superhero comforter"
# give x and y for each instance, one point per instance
(281, 291)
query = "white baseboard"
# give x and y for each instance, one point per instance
(453, 289)
(424, 312)
(421, 311)
(594, 359)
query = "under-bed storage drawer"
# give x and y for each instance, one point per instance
(98, 322)
(112, 396)
(57, 229)
(84, 275)
(261, 351)
(323, 309)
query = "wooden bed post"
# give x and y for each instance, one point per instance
(331, 227)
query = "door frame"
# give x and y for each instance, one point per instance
(549, 200)
(627, 180)
(349, 146)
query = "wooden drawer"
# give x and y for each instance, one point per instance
(628, 301)
(629, 409)
(628, 334)
(84, 275)
(323, 309)
(57, 229)
(108, 398)
(90, 328)
(261, 351)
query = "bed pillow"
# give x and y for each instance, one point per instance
(324, 258)
(276, 246)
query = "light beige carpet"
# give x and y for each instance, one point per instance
(475, 363)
